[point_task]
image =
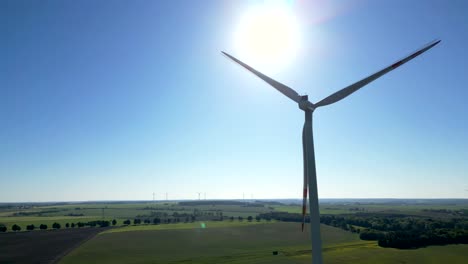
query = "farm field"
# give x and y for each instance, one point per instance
(225, 231)
(247, 244)
(107, 211)
(42, 246)
(352, 208)
(194, 225)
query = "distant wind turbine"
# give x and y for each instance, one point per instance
(310, 174)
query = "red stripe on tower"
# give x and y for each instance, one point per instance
(305, 193)
(397, 64)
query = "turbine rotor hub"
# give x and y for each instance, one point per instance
(305, 105)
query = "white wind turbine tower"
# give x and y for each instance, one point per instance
(310, 177)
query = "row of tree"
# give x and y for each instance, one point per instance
(100, 223)
(176, 218)
(249, 218)
(191, 218)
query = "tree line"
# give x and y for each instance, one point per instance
(31, 227)
(396, 231)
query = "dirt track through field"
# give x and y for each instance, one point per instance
(42, 246)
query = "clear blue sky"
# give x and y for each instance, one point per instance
(115, 100)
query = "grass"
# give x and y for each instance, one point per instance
(371, 253)
(224, 242)
(233, 243)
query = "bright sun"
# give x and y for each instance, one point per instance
(268, 36)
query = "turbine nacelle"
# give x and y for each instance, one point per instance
(305, 104)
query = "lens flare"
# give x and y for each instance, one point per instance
(268, 36)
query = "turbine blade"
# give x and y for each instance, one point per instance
(304, 195)
(356, 86)
(293, 95)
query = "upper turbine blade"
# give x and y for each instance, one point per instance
(277, 85)
(356, 86)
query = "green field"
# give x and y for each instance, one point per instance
(194, 233)
(370, 253)
(413, 209)
(195, 225)
(246, 243)
(73, 213)
(323, 210)
(68, 213)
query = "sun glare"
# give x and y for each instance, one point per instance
(268, 36)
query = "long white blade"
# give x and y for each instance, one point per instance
(277, 85)
(356, 86)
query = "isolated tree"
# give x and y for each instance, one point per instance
(147, 221)
(72, 225)
(232, 218)
(250, 218)
(30, 227)
(43, 227)
(258, 218)
(156, 221)
(16, 227)
(114, 222)
(136, 221)
(3, 228)
(67, 225)
(56, 225)
(126, 222)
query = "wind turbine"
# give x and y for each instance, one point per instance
(310, 174)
